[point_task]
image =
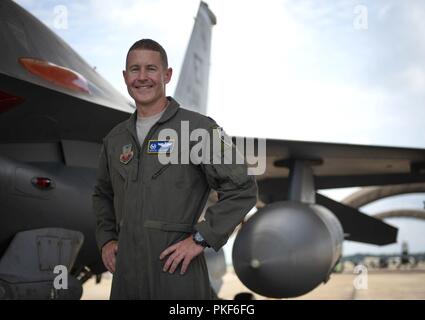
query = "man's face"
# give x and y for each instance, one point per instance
(146, 77)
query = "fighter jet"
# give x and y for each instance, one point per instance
(54, 111)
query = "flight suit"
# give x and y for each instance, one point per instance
(148, 206)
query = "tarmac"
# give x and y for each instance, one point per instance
(385, 284)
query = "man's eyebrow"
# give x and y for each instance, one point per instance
(134, 65)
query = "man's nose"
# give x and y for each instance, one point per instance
(142, 75)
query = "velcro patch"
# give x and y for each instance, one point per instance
(160, 146)
(127, 154)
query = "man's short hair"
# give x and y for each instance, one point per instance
(149, 44)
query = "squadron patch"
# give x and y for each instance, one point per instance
(127, 154)
(160, 146)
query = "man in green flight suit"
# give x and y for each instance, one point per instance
(147, 212)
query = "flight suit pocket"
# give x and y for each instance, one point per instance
(125, 172)
(120, 178)
(119, 172)
(161, 171)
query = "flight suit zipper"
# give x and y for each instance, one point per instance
(142, 161)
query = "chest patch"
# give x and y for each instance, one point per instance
(127, 154)
(160, 146)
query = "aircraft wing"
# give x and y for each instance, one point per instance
(337, 166)
(301, 231)
(340, 165)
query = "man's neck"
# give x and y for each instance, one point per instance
(153, 109)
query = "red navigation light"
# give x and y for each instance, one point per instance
(60, 76)
(42, 183)
(7, 101)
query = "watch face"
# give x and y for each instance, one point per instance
(198, 237)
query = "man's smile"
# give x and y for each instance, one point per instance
(143, 86)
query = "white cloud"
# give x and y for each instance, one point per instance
(414, 79)
(383, 12)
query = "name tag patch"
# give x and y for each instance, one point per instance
(160, 146)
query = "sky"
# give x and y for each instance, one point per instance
(320, 70)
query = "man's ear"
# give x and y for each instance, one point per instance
(124, 74)
(168, 75)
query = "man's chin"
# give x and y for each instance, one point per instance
(143, 100)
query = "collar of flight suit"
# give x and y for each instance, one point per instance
(170, 111)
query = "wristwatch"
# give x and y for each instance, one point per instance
(199, 239)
